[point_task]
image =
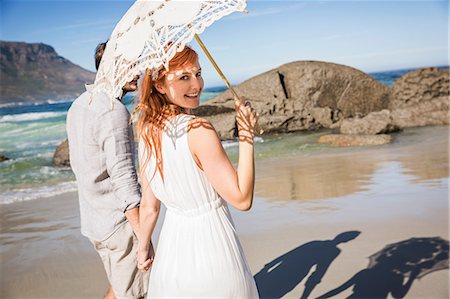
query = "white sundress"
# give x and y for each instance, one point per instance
(198, 253)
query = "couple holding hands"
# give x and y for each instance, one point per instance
(181, 163)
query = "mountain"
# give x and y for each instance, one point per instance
(35, 72)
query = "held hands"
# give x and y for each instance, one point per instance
(246, 119)
(145, 258)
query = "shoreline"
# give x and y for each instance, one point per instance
(308, 148)
(387, 194)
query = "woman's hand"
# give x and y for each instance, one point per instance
(145, 258)
(246, 119)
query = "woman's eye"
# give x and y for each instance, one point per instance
(199, 74)
(184, 77)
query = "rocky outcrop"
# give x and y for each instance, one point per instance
(343, 140)
(310, 95)
(3, 158)
(61, 156)
(35, 72)
(304, 95)
(421, 98)
(419, 86)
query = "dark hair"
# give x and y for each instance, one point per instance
(99, 50)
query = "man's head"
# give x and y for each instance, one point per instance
(99, 50)
(346, 236)
(129, 86)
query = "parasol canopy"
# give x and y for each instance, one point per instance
(423, 255)
(149, 35)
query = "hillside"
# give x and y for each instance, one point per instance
(35, 72)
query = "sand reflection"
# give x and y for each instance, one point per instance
(311, 178)
(429, 160)
(421, 153)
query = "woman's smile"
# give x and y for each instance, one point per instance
(183, 85)
(192, 96)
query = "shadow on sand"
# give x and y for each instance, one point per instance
(391, 270)
(393, 265)
(284, 273)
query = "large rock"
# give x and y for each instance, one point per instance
(61, 156)
(355, 140)
(379, 122)
(223, 118)
(346, 90)
(419, 86)
(304, 95)
(3, 158)
(421, 98)
(208, 110)
(224, 124)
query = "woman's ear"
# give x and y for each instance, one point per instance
(160, 88)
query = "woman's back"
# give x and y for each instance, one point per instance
(185, 187)
(198, 252)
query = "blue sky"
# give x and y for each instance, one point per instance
(368, 35)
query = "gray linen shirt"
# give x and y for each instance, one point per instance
(101, 150)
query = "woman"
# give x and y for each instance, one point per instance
(184, 165)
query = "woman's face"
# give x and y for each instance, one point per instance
(183, 85)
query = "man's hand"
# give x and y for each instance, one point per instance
(133, 218)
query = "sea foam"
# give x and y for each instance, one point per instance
(18, 195)
(29, 116)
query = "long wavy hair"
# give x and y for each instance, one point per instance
(154, 109)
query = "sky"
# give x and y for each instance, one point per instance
(368, 35)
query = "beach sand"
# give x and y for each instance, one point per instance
(380, 196)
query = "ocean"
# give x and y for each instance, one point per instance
(29, 135)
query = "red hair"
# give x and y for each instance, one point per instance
(154, 109)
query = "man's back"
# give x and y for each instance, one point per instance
(101, 147)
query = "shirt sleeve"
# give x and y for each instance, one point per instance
(117, 141)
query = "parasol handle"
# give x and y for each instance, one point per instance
(235, 95)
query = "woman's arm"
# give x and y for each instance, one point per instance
(235, 186)
(148, 215)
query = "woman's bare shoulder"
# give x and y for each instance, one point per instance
(201, 131)
(198, 125)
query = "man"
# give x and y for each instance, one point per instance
(101, 147)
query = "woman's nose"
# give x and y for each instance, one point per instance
(196, 83)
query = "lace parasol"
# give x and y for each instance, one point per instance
(150, 34)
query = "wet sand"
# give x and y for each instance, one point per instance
(372, 197)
